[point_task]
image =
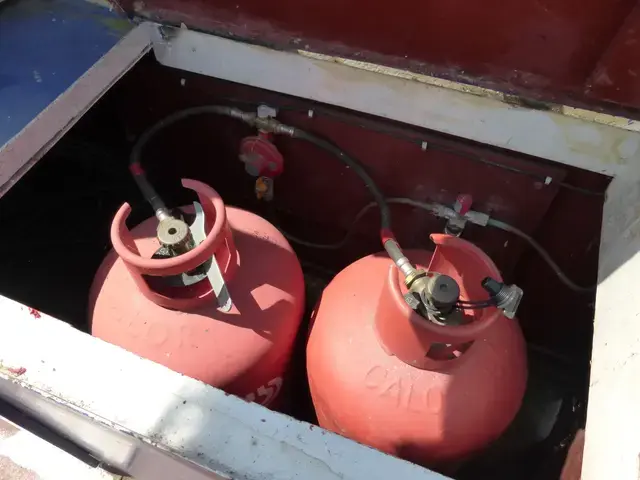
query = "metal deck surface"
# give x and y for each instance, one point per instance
(45, 46)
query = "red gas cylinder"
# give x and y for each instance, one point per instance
(385, 376)
(136, 304)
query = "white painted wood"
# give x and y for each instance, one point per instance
(596, 142)
(211, 429)
(23, 151)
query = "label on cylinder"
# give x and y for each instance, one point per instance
(266, 394)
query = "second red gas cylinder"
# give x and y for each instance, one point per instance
(385, 376)
(164, 309)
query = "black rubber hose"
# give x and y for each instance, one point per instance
(386, 234)
(543, 253)
(358, 169)
(135, 166)
(148, 192)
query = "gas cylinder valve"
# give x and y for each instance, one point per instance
(456, 223)
(506, 297)
(432, 295)
(174, 234)
(437, 297)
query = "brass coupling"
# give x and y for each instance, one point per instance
(410, 279)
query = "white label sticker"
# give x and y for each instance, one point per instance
(266, 393)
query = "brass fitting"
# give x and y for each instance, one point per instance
(432, 294)
(413, 276)
(174, 234)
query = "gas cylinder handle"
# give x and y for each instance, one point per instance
(408, 335)
(218, 242)
(212, 204)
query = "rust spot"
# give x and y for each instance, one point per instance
(34, 313)
(17, 371)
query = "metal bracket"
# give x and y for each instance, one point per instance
(214, 274)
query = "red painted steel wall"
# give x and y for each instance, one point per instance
(617, 76)
(574, 51)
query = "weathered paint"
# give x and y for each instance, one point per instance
(600, 147)
(538, 48)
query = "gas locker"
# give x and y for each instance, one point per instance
(237, 252)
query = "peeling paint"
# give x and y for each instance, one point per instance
(617, 147)
(406, 74)
(602, 118)
(573, 112)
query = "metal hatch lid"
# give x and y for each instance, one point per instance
(564, 51)
(57, 58)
